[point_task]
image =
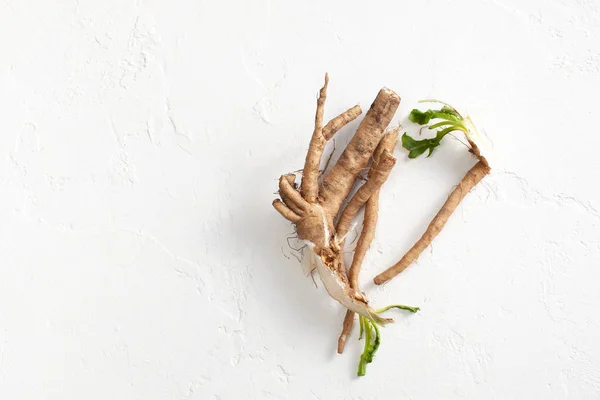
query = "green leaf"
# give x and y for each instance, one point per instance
(451, 113)
(399, 306)
(372, 341)
(423, 117)
(373, 338)
(361, 322)
(451, 121)
(418, 147)
(420, 117)
(418, 151)
(375, 345)
(362, 366)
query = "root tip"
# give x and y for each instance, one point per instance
(378, 280)
(341, 344)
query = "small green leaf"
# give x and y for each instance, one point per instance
(451, 121)
(418, 147)
(409, 143)
(420, 117)
(361, 322)
(451, 111)
(418, 151)
(423, 117)
(399, 306)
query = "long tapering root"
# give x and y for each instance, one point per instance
(347, 328)
(366, 238)
(472, 178)
(382, 171)
(382, 165)
(310, 174)
(386, 146)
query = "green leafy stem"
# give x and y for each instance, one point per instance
(369, 328)
(450, 120)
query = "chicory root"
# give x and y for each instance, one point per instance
(451, 120)
(313, 207)
(377, 171)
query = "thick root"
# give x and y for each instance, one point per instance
(474, 176)
(338, 182)
(383, 162)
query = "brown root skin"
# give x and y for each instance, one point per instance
(477, 153)
(338, 182)
(473, 176)
(312, 208)
(285, 211)
(340, 121)
(312, 224)
(388, 143)
(291, 178)
(310, 173)
(290, 195)
(367, 234)
(316, 227)
(315, 212)
(366, 238)
(380, 170)
(348, 323)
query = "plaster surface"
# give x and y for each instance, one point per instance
(140, 147)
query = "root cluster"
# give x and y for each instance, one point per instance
(315, 205)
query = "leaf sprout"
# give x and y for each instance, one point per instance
(450, 121)
(369, 328)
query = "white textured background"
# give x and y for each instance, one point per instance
(140, 144)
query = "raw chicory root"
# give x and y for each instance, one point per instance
(451, 121)
(469, 181)
(377, 172)
(338, 182)
(314, 207)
